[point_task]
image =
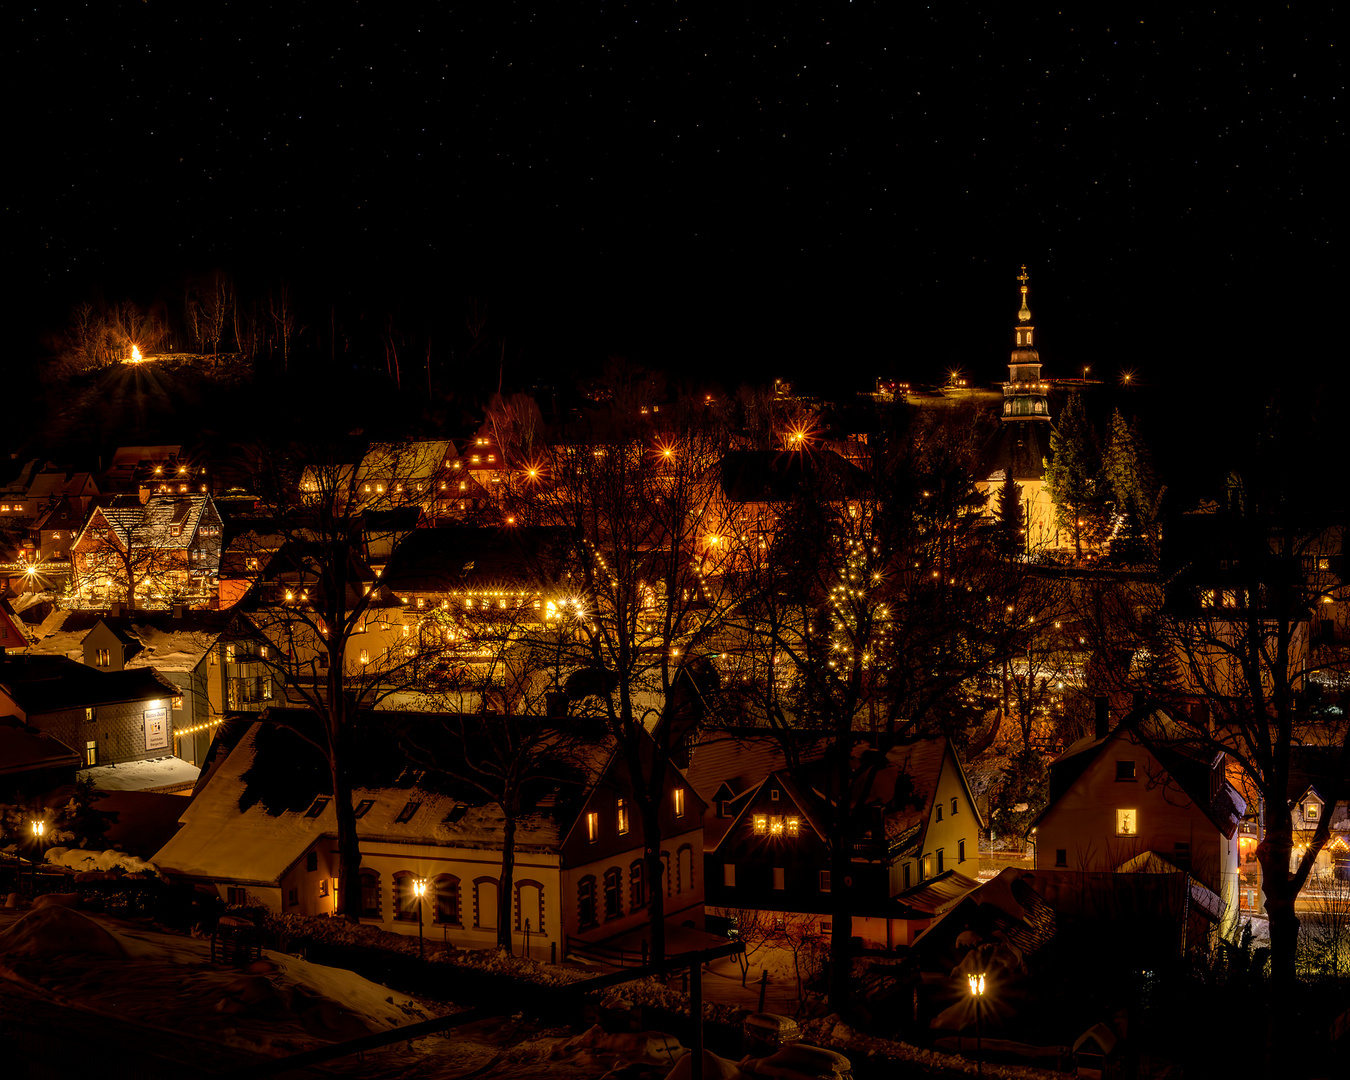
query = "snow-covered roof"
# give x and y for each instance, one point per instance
(165, 522)
(154, 774)
(220, 842)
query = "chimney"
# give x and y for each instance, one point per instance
(115, 610)
(177, 611)
(1103, 704)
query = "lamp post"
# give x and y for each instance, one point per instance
(419, 889)
(39, 828)
(977, 992)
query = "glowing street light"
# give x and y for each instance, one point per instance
(419, 890)
(39, 828)
(977, 992)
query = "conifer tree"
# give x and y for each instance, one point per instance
(1010, 518)
(1072, 473)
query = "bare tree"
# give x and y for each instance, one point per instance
(1225, 644)
(336, 631)
(513, 658)
(879, 607)
(754, 927)
(640, 499)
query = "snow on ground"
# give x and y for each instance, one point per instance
(283, 1005)
(163, 772)
(278, 1005)
(79, 859)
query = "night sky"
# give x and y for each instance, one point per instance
(830, 191)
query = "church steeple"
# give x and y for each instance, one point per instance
(1024, 313)
(1024, 393)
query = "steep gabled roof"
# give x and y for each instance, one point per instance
(165, 522)
(1224, 807)
(807, 801)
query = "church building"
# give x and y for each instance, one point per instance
(1022, 443)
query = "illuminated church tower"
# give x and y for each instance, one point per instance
(1022, 442)
(1024, 393)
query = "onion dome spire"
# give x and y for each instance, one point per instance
(1024, 315)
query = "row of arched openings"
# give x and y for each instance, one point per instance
(603, 899)
(449, 901)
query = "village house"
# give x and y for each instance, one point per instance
(1137, 799)
(155, 554)
(262, 831)
(917, 854)
(109, 718)
(217, 660)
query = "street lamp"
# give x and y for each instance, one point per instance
(419, 890)
(977, 992)
(39, 828)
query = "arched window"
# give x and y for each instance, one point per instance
(370, 894)
(485, 903)
(405, 898)
(684, 868)
(445, 900)
(613, 892)
(637, 886)
(530, 906)
(587, 913)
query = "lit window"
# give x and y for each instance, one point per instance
(592, 827)
(679, 802)
(229, 654)
(1310, 811)
(775, 826)
(250, 564)
(761, 824)
(178, 701)
(1127, 823)
(794, 826)
(621, 810)
(91, 752)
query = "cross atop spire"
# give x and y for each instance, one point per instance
(1024, 315)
